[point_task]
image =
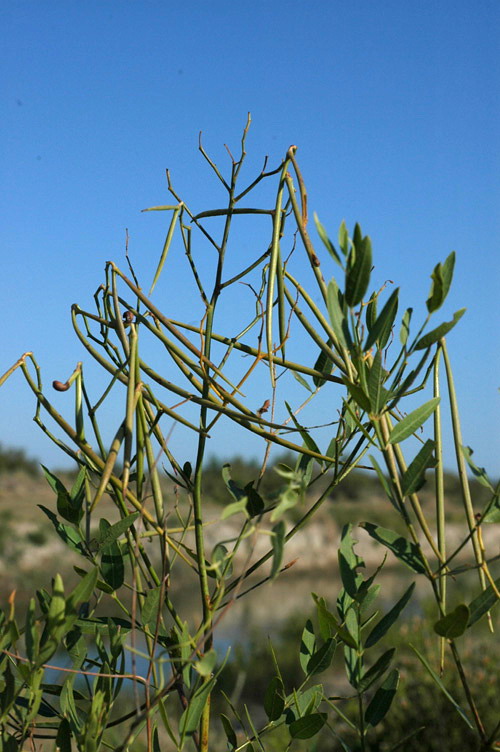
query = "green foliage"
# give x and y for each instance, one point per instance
(142, 668)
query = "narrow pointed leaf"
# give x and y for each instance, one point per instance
(376, 671)
(441, 686)
(191, 716)
(307, 726)
(436, 334)
(378, 395)
(358, 395)
(402, 548)
(414, 477)
(326, 241)
(483, 603)
(404, 332)
(412, 422)
(336, 315)
(383, 626)
(274, 699)
(382, 699)
(228, 730)
(113, 532)
(301, 381)
(307, 645)
(324, 365)
(322, 658)
(278, 542)
(381, 329)
(358, 275)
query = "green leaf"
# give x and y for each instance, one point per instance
(381, 329)
(110, 533)
(301, 381)
(402, 548)
(236, 492)
(483, 603)
(479, 472)
(278, 542)
(235, 508)
(383, 481)
(112, 565)
(404, 332)
(83, 590)
(324, 365)
(358, 273)
(307, 726)
(376, 377)
(358, 395)
(371, 311)
(307, 645)
(336, 315)
(343, 238)
(71, 536)
(349, 562)
(31, 633)
(376, 671)
(322, 658)
(414, 477)
(151, 607)
(191, 716)
(274, 699)
(305, 435)
(326, 241)
(221, 560)
(70, 509)
(441, 686)
(383, 626)
(436, 334)
(63, 738)
(412, 422)
(453, 624)
(206, 665)
(228, 730)
(382, 699)
(329, 625)
(441, 281)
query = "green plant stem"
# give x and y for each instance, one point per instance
(462, 471)
(440, 501)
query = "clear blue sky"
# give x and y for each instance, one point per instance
(394, 106)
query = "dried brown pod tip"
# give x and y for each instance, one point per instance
(60, 387)
(265, 407)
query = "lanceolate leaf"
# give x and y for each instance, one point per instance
(402, 548)
(413, 421)
(405, 326)
(274, 699)
(321, 659)
(190, 718)
(112, 566)
(382, 699)
(358, 275)
(414, 477)
(483, 603)
(278, 542)
(326, 240)
(381, 329)
(112, 533)
(307, 645)
(358, 395)
(436, 334)
(441, 686)
(383, 626)
(441, 281)
(336, 314)
(307, 726)
(378, 395)
(323, 364)
(228, 730)
(376, 671)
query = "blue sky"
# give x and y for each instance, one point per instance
(394, 108)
